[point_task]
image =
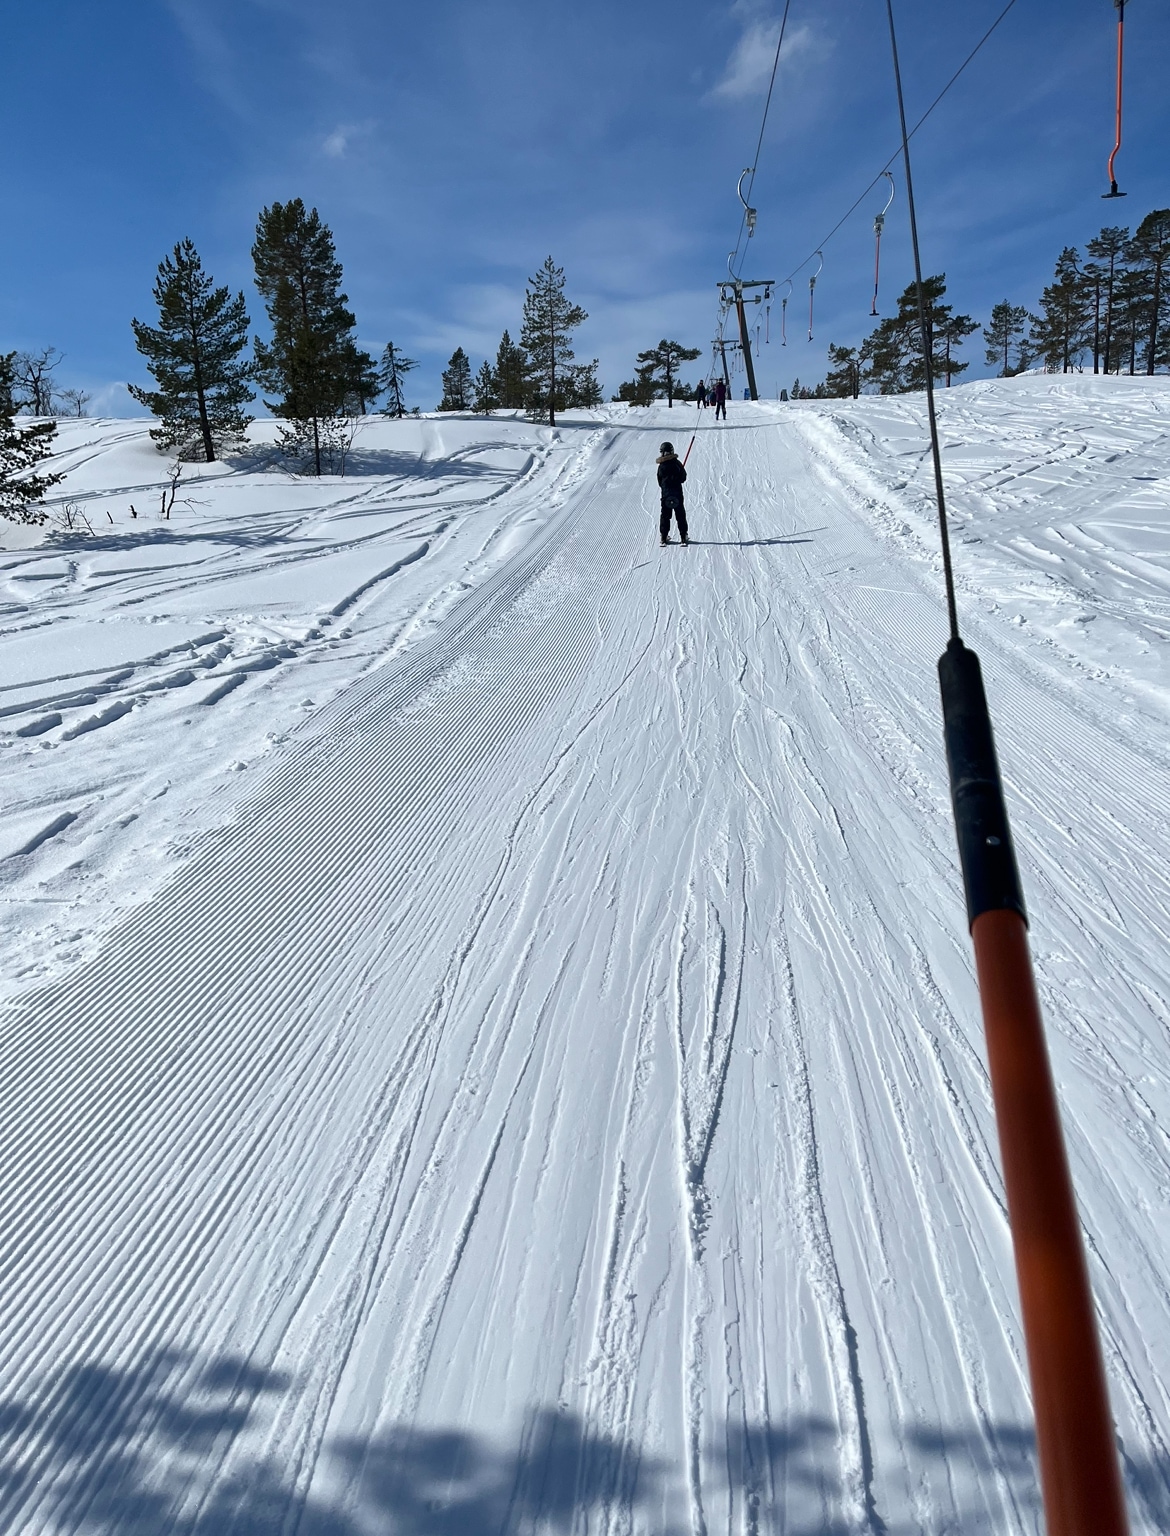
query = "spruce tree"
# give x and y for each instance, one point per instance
(547, 339)
(662, 363)
(312, 365)
(194, 355)
(21, 449)
(510, 374)
(457, 383)
(485, 393)
(391, 375)
(1004, 335)
(1149, 254)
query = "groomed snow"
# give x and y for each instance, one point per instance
(489, 1036)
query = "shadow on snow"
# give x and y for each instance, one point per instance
(149, 1450)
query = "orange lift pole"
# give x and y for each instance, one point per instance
(1079, 1470)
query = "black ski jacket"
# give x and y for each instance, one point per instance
(671, 475)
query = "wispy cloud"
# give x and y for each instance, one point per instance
(336, 144)
(749, 68)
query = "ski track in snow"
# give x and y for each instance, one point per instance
(502, 1055)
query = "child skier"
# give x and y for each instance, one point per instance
(671, 475)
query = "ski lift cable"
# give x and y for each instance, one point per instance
(853, 207)
(763, 124)
(1080, 1474)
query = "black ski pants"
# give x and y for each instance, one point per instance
(672, 504)
(721, 409)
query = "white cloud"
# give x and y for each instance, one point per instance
(750, 67)
(344, 137)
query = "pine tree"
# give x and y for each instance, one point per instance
(1149, 254)
(952, 332)
(884, 357)
(457, 383)
(843, 380)
(485, 393)
(580, 387)
(662, 364)
(1061, 332)
(1004, 334)
(547, 338)
(891, 356)
(391, 375)
(364, 385)
(194, 355)
(312, 364)
(511, 377)
(1109, 250)
(1131, 301)
(639, 390)
(21, 449)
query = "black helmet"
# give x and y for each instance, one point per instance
(666, 448)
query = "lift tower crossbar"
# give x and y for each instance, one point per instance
(736, 290)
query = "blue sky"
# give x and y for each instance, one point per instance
(452, 145)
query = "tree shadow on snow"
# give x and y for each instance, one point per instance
(156, 1450)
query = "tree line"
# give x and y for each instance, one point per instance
(538, 374)
(311, 365)
(318, 378)
(1113, 307)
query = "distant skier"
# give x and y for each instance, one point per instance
(720, 396)
(701, 394)
(671, 475)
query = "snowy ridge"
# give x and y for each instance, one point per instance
(548, 1092)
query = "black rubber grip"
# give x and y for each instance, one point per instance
(991, 879)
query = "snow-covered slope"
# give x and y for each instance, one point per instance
(491, 1043)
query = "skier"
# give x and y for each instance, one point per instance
(701, 394)
(671, 475)
(720, 394)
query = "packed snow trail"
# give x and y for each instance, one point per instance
(556, 1100)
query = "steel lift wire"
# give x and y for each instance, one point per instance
(853, 207)
(1079, 1471)
(760, 140)
(878, 225)
(1113, 192)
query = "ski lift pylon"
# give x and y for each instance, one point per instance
(878, 226)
